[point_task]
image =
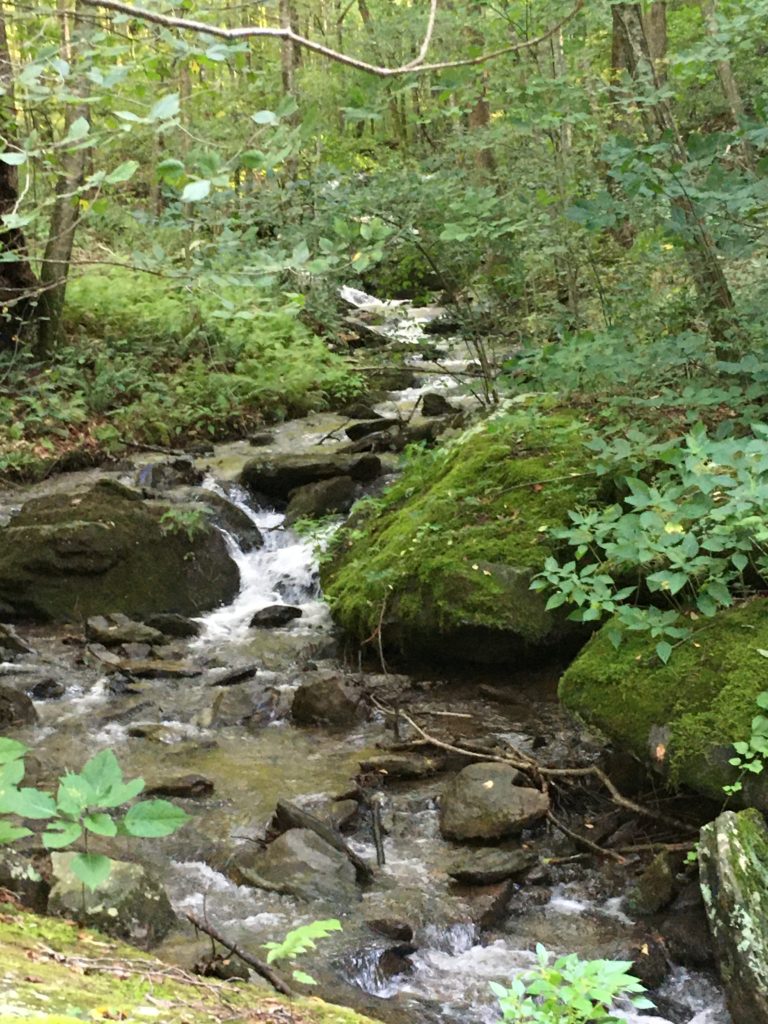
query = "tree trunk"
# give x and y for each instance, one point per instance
(655, 24)
(18, 284)
(728, 83)
(658, 119)
(566, 264)
(65, 216)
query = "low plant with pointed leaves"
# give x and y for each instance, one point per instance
(751, 754)
(88, 803)
(298, 941)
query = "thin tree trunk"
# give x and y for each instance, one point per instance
(658, 119)
(18, 284)
(728, 82)
(565, 264)
(655, 24)
(63, 225)
(289, 62)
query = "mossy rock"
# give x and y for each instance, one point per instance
(684, 716)
(68, 556)
(733, 858)
(453, 545)
(55, 972)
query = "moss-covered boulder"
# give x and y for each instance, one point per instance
(682, 717)
(445, 558)
(55, 972)
(68, 556)
(733, 859)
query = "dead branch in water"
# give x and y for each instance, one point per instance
(260, 966)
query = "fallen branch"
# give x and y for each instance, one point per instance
(260, 966)
(583, 841)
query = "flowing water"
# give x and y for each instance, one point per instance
(241, 738)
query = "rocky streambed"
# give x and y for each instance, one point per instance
(256, 707)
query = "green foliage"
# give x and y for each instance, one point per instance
(298, 941)
(84, 803)
(188, 521)
(567, 990)
(751, 754)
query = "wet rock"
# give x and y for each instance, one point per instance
(157, 669)
(233, 676)
(655, 888)
(435, 404)
(170, 624)
(403, 766)
(274, 616)
(489, 905)
(68, 556)
(11, 642)
(225, 968)
(227, 516)
(488, 866)
(733, 854)
(342, 813)
(276, 476)
(26, 874)
(360, 411)
(261, 438)
(650, 963)
(130, 903)
(161, 476)
(366, 427)
(190, 787)
(394, 962)
(112, 630)
(393, 378)
(391, 928)
(299, 863)
(685, 930)
(135, 651)
(484, 801)
(321, 499)
(48, 689)
(327, 700)
(16, 708)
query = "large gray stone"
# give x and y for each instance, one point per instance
(113, 630)
(300, 863)
(733, 861)
(130, 903)
(327, 700)
(71, 555)
(484, 801)
(277, 475)
(321, 499)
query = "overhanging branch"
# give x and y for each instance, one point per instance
(416, 66)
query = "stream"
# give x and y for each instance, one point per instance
(241, 738)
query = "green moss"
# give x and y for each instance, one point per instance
(684, 715)
(55, 972)
(455, 541)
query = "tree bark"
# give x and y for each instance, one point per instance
(64, 219)
(655, 24)
(18, 284)
(658, 120)
(728, 83)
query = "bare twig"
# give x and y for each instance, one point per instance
(583, 841)
(263, 969)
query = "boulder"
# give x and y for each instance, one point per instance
(655, 888)
(275, 476)
(190, 787)
(435, 404)
(321, 499)
(681, 718)
(68, 556)
(274, 616)
(16, 708)
(27, 874)
(161, 476)
(360, 430)
(327, 699)
(488, 866)
(170, 624)
(130, 903)
(113, 630)
(299, 863)
(48, 689)
(485, 801)
(453, 544)
(229, 517)
(733, 862)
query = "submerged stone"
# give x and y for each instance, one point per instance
(733, 861)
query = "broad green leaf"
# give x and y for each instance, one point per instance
(123, 172)
(153, 818)
(128, 115)
(61, 834)
(14, 159)
(195, 191)
(75, 793)
(91, 868)
(11, 750)
(264, 117)
(165, 108)
(102, 772)
(121, 793)
(100, 824)
(78, 130)
(10, 833)
(303, 978)
(33, 803)
(664, 651)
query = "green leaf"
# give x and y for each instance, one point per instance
(121, 793)
(75, 793)
(61, 834)
(78, 130)
(100, 824)
(195, 191)
(11, 750)
(10, 833)
(303, 978)
(123, 172)
(91, 868)
(128, 115)
(14, 159)
(264, 117)
(101, 773)
(33, 803)
(154, 818)
(664, 651)
(165, 108)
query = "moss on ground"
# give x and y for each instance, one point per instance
(455, 541)
(684, 715)
(55, 972)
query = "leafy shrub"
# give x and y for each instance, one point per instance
(298, 941)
